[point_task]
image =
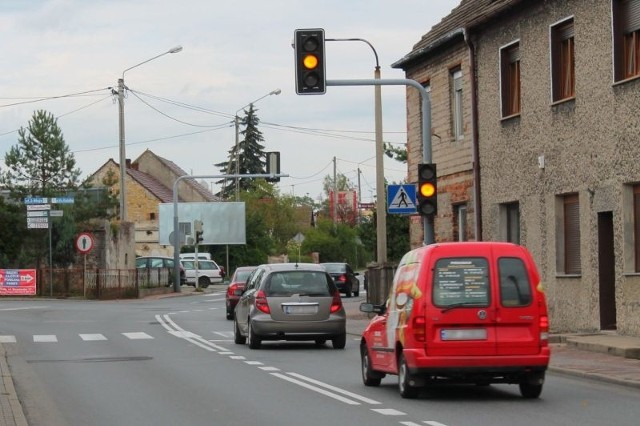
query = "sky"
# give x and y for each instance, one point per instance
(66, 56)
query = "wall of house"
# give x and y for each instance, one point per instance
(590, 147)
(452, 157)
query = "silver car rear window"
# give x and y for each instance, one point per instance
(288, 283)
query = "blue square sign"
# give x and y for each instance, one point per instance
(401, 199)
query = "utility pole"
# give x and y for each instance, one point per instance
(335, 194)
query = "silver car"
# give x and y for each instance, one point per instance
(290, 301)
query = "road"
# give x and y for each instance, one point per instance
(173, 361)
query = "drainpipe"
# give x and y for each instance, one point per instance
(477, 207)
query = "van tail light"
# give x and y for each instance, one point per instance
(342, 278)
(420, 329)
(261, 303)
(336, 303)
(544, 329)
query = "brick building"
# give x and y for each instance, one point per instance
(554, 90)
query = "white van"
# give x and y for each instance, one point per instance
(192, 256)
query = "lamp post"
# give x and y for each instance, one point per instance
(237, 126)
(381, 208)
(123, 156)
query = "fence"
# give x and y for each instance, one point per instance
(102, 283)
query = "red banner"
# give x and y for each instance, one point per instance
(17, 282)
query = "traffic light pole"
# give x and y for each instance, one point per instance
(176, 233)
(429, 233)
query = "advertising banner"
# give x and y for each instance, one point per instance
(17, 282)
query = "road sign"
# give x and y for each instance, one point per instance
(38, 207)
(401, 199)
(37, 220)
(37, 225)
(17, 282)
(37, 213)
(62, 200)
(84, 242)
(56, 213)
(36, 200)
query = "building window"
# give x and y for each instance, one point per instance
(460, 222)
(562, 61)
(571, 234)
(513, 222)
(152, 216)
(626, 38)
(456, 104)
(510, 79)
(636, 226)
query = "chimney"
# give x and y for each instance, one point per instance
(128, 163)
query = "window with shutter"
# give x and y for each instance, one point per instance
(510, 79)
(636, 226)
(572, 234)
(626, 37)
(563, 60)
(456, 104)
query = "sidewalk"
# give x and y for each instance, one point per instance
(606, 357)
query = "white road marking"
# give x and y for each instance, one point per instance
(253, 363)
(433, 423)
(333, 388)
(137, 336)
(269, 368)
(315, 389)
(389, 412)
(92, 337)
(45, 338)
(237, 357)
(7, 339)
(224, 333)
(184, 334)
(24, 308)
(409, 424)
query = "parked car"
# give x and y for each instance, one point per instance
(345, 278)
(236, 287)
(151, 262)
(192, 256)
(290, 301)
(470, 312)
(208, 272)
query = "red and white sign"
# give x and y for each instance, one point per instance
(17, 282)
(84, 242)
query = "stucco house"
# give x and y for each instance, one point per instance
(553, 90)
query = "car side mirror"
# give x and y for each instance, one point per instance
(370, 308)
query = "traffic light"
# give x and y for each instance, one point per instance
(310, 63)
(427, 190)
(197, 226)
(198, 237)
(273, 166)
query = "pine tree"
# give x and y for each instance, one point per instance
(41, 163)
(250, 152)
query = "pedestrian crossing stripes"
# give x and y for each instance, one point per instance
(98, 337)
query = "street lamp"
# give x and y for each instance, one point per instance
(381, 208)
(123, 156)
(237, 126)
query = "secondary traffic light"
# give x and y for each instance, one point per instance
(198, 237)
(310, 63)
(427, 190)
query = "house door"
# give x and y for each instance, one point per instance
(606, 271)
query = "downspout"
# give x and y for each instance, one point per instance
(477, 201)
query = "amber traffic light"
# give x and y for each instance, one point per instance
(427, 196)
(310, 61)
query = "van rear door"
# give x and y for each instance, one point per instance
(461, 318)
(519, 305)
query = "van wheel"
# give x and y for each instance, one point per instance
(254, 340)
(369, 377)
(238, 338)
(404, 385)
(204, 282)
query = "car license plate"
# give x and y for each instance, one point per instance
(300, 309)
(464, 334)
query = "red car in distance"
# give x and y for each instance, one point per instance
(236, 287)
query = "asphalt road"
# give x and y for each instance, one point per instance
(173, 361)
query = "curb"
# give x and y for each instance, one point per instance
(10, 390)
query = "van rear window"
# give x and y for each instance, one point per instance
(515, 289)
(461, 281)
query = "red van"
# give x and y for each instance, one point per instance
(470, 312)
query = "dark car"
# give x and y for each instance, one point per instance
(290, 301)
(346, 280)
(236, 287)
(156, 262)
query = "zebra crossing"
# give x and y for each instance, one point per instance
(216, 336)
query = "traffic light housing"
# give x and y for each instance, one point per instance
(427, 190)
(198, 237)
(310, 61)
(273, 166)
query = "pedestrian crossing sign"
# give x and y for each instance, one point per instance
(401, 199)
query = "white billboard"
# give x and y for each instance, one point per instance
(222, 223)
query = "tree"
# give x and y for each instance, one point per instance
(41, 164)
(398, 154)
(249, 152)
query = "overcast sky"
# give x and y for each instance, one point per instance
(234, 52)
